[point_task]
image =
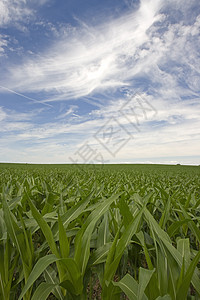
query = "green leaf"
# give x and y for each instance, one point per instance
(140, 236)
(103, 232)
(129, 286)
(51, 277)
(100, 255)
(165, 297)
(73, 273)
(181, 276)
(43, 291)
(191, 224)
(63, 240)
(165, 214)
(183, 246)
(72, 213)
(44, 227)
(17, 236)
(14, 231)
(183, 290)
(172, 229)
(38, 269)
(144, 278)
(111, 266)
(125, 211)
(82, 241)
(164, 240)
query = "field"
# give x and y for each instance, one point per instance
(99, 232)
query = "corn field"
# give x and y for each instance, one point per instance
(99, 232)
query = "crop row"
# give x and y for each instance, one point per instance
(112, 233)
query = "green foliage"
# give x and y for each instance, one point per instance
(80, 232)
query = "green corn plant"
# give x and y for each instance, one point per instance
(21, 239)
(116, 252)
(70, 273)
(8, 262)
(78, 232)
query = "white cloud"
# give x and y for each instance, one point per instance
(114, 54)
(173, 131)
(141, 50)
(92, 58)
(3, 114)
(3, 44)
(12, 11)
(13, 122)
(71, 111)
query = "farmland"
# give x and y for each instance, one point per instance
(99, 232)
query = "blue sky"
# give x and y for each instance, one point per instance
(115, 81)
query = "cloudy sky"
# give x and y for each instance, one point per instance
(100, 81)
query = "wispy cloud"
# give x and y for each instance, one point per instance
(12, 11)
(12, 121)
(3, 114)
(90, 59)
(174, 130)
(70, 111)
(106, 57)
(3, 44)
(153, 49)
(17, 15)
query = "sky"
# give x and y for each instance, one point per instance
(110, 81)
